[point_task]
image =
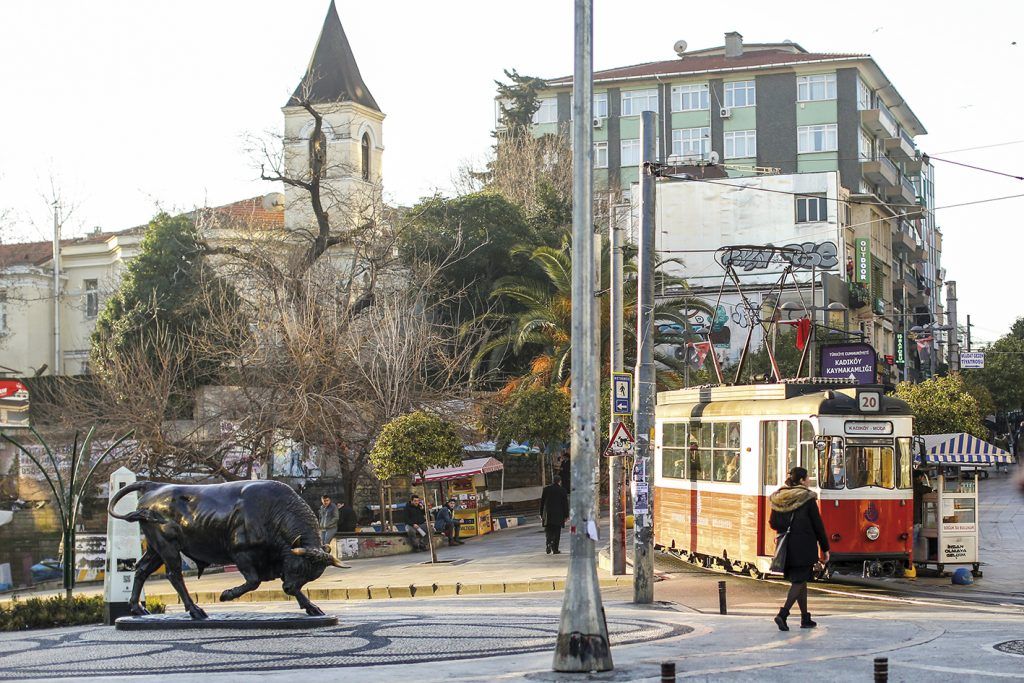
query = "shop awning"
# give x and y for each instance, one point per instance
(962, 449)
(468, 468)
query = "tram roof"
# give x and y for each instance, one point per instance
(774, 399)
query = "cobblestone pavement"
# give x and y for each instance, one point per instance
(511, 638)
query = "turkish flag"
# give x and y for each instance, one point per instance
(803, 332)
(701, 351)
(923, 344)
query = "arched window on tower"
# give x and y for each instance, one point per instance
(366, 156)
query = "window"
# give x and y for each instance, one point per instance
(674, 447)
(601, 105)
(770, 452)
(365, 149)
(636, 101)
(600, 155)
(714, 451)
(740, 94)
(547, 112)
(92, 298)
(811, 209)
(690, 97)
(3, 311)
(700, 457)
(865, 146)
(740, 143)
(863, 95)
(816, 87)
(800, 449)
(904, 463)
(816, 138)
(691, 142)
(869, 464)
(629, 151)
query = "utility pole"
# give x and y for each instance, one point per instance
(56, 288)
(616, 490)
(968, 332)
(954, 331)
(643, 528)
(582, 644)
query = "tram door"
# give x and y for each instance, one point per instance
(771, 452)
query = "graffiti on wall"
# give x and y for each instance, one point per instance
(802, 256)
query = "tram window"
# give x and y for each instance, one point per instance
(808, 456)
(869, 465)
(770, 452)
(673, 450)
(792, 445)
(904, 463)
(833, 465)
(726, 452)
(701, 457)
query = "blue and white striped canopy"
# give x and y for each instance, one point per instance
(953, 449)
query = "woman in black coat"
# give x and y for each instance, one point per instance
(795, 507)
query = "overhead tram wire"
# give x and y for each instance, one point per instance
(977, 168)
(971, 149)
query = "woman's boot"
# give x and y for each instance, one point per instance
(806, 622)
(780, 619)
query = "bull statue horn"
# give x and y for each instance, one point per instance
(297, 543)
(298, 551)
(335, 562)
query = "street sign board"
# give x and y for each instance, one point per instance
(621, 442)
(972, 360)
(622, 392)
(849, 361)
(862, 263)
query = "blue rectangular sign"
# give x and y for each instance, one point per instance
(622, 393)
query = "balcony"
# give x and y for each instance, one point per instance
(909, 190)
(901, 148)
(879, 122)
(881, 172)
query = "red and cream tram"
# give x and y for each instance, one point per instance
(721, 451)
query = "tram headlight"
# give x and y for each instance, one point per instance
(872, 533)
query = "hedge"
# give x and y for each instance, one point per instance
(55, 611)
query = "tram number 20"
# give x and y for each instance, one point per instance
(869, 401)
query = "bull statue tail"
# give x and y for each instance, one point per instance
(135, 515)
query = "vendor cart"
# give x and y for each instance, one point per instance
(949, 520)
(466, 483)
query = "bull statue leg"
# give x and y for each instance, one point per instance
(171, 556)
(295, 590)
(246, 567)
(147, 564)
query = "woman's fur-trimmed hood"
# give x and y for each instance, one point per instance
(789, 498)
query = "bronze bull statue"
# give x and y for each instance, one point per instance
(262, 527)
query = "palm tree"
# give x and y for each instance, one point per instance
(541, 326)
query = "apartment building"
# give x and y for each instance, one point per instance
(776, 108)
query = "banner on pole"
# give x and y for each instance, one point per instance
(862, 260)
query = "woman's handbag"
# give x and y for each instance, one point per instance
(779, 561)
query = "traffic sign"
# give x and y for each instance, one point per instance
(972, 360)
(622, 392)
(621, 442)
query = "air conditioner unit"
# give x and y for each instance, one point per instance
(724, 112)
(598, 123)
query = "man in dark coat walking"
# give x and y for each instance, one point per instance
(554, 512)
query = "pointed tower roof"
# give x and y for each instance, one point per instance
(332, 74)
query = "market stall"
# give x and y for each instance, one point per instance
(949, 519)
(466, 483)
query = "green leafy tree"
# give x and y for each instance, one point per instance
(518, 101)
(787, 355)
(412, 444)
(538, 415)
(1003, 374)
(943, 405)
(167, 289)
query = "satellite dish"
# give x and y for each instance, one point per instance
(680, 47)
(713, 158)
(273, 201)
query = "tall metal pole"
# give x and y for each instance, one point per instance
(954, 332)
(582, 644)
(616, 491)
(643, 528)
(903, 331)
(56, 288)
(968, 332)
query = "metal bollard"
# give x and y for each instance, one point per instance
(668, 672)
(881, 669)
(721, 598)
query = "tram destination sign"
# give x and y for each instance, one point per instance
(849, 361)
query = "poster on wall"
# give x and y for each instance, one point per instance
(849, 361)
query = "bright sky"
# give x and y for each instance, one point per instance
(135, 104)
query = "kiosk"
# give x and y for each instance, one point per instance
(949, 519)
(466, 483)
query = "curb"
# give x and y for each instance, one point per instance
(384, 592)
